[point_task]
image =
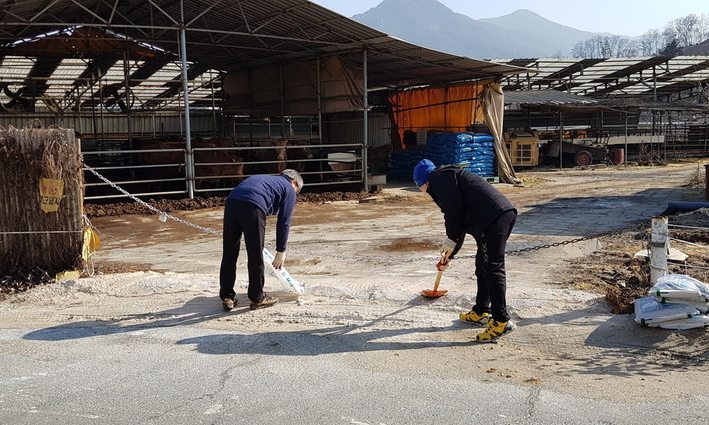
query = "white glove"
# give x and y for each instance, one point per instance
(447, 247)
(278, 261)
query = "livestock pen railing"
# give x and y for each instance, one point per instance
(173, 171)
(122, 168)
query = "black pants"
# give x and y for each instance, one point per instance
(490, 267)
(242, 218)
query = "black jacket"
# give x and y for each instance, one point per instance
(468, 202)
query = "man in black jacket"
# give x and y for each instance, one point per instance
(470, 205)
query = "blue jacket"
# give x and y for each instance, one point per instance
(272, 195)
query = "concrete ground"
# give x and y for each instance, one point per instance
(361, 345)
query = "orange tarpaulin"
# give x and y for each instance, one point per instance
(450, 108)
(454, 108)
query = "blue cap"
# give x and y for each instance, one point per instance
(422, 171)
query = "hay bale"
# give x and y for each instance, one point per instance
(31, 238)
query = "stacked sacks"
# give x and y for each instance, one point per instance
(676, 301)
(402, 163)
(475, 152)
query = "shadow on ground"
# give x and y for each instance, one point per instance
(314, 342)
(585, 216)
(197, 310)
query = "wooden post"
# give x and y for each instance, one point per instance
(659, 245)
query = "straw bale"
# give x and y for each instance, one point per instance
(30, 238)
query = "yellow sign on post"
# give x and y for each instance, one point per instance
(51, 191)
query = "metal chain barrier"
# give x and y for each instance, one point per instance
(635, 226)
(162, 214)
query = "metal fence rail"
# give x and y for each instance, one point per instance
(164, 172)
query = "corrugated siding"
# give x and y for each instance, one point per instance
(350, 131)
(116, 124)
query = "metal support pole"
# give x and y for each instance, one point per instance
(625, 153)
(654, 83)
(321, 164)
(706, 182)
(601, 135)
(189, 160)
(670, 132)
(100, 111)
(660, 133)
(214, 108)
(659, 246)
(561, 140)
(365, 102)
(319, 103)
(283, 103)
(126, 83)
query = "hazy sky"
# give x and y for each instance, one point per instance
(622, 17)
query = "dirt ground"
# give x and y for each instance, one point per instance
(365, 259)
(170, 205)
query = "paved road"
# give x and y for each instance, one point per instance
(182, 375)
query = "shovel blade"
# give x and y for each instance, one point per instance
(429, 293)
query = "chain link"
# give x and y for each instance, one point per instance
(161, 213)
(635, 226)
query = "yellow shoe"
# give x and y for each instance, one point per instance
(473, 317)
(495, 330)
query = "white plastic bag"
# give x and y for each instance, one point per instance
(682, 289)
(681, 282)
(288, 282)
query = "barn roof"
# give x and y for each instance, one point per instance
(52, 45)
(648, 77)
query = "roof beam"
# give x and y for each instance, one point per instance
(90, 11)
(164, 13)
(44, 9)
(565, 73)
(212, 6)
(174, 85)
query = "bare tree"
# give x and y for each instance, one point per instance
(687, 30)
(650, 42)
(626, 48)
(669, 34)
(600, 46)
(678, 33)
(578, 50)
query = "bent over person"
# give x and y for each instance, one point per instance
(471, 205)
(245, 213)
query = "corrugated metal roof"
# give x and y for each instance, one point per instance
(238, 35)
(616, 77)
(546, 97)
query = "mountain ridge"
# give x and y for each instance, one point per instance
(522, 33)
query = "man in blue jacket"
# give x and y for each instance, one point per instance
(245, 213)
(470, 205)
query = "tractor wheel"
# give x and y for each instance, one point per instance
(583, 158)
